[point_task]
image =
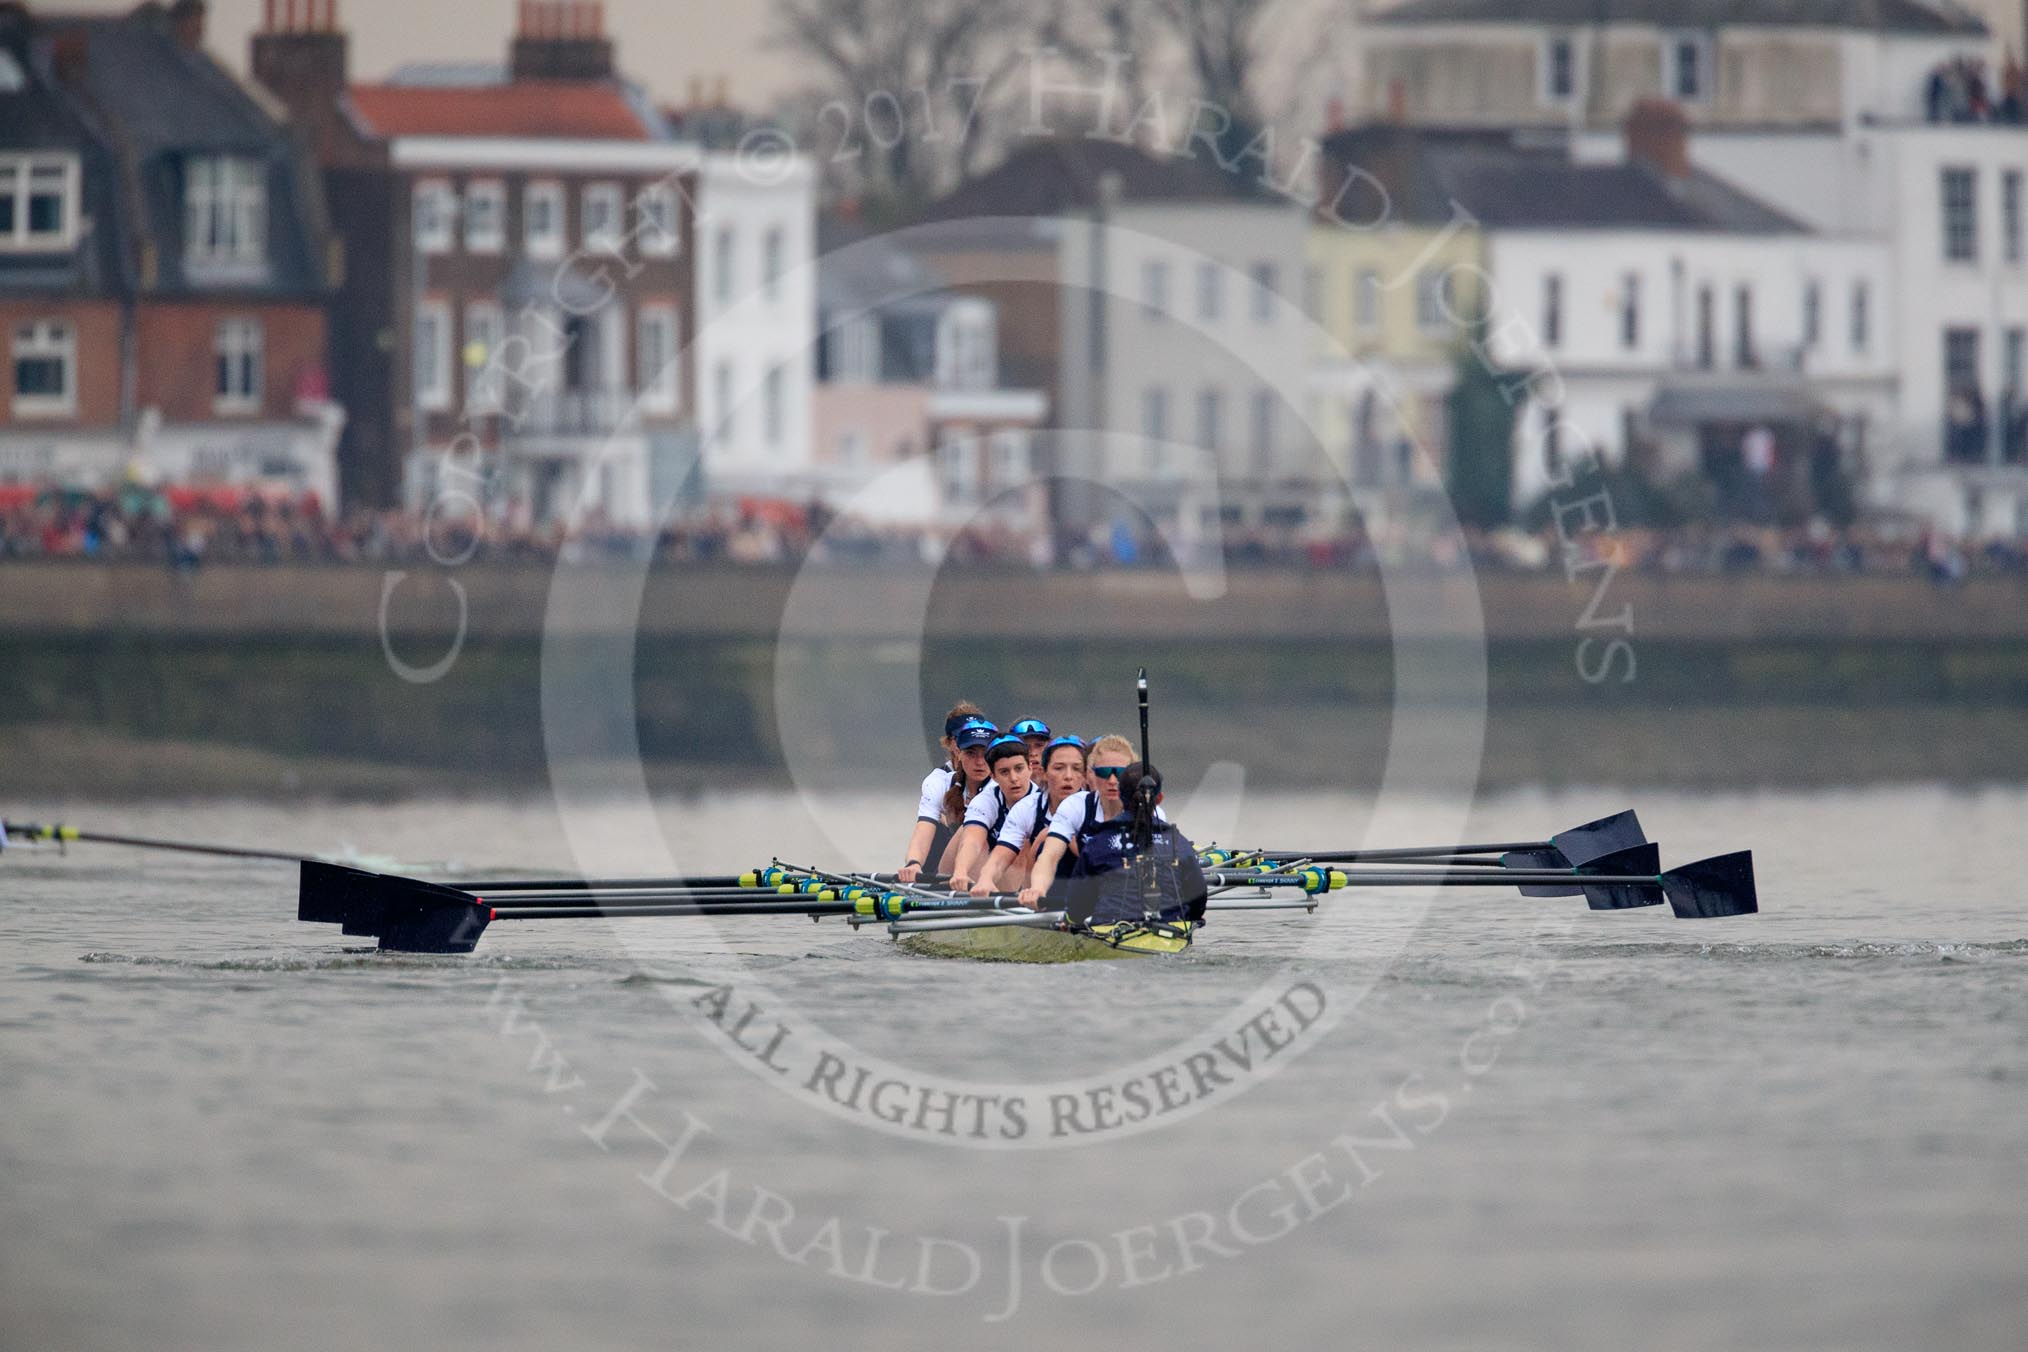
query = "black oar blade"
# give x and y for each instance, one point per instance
(405, 915)
(1641, 861)
(1712, 889)
(1593, 841)
(1541, 861)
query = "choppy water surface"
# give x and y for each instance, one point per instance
(1534, 1126)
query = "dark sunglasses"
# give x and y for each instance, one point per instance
(1110, 771)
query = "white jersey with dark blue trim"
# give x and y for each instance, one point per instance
(990, 809)
(1029, 820)
(1080, 815)
(936, 786)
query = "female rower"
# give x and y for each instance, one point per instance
(1082, 813)
(1035, 733)
(1013, 790)
(1064, 775)
(931, 834)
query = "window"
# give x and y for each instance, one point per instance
(486, 217)
(483, 329)
(1011, 465)
(38, 202)
(1961, 215)
(958, 463)
(1862, 316)
(774, 407)
(1686, 67)
(433, 355)
(1366, 298)
(1743, 354)
(1210, 292)
(225, 211)
(1707, 328)
(542, 226)
(659, 233)
(237, 360)
(726, 262)
(602, 217)
(1155, 288)
(2010, 215)
(2015, 356)
(1552, 310)
(728, 422)
(1961, 360)
(1211, 419)
(1552, 443)
(1630, 311)
(774, 262)
(1264, 420)
(12, 78)
(1813, 314)
(1432, 301)
(1559, 69)
(655, 351)
(45, 370)
(1267, 283)
(1155, 413)
(434, 210)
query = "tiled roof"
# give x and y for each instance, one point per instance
(1905, 16)
(1050, 177)
(526, 108)
(1525, 187)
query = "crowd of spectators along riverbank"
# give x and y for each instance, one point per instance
(147, 528)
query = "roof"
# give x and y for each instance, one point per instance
(157, 105)
(41, 116)
(546, 109)
(1519, 185)
(1901, 16)
(1059, 175)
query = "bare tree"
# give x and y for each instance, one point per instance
(905, 93)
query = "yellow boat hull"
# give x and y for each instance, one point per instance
(1026, 943)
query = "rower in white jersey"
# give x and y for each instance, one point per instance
(1081, 814)
(1011, 791)
(932, 832)
(1014, 849)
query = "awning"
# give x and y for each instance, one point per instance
(1734, 401)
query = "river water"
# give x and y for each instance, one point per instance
(1473, 1122)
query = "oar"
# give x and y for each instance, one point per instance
(65, 835)
(1577, 846)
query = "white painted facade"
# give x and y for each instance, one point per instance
(1199, 384)
(1885, 184)
(1593, 383)
(756, 287)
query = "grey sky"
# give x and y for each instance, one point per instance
(662, 43)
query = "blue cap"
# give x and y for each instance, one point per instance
(956, 721)
(1006, 747)
(1030, 727)
(976, 733)
(1065, 740)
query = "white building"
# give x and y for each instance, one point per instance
(1827, 110)
(1183, 390)
(755, 347)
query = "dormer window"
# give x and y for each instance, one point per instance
(226, 213)
(1687, 67)
(38, 203)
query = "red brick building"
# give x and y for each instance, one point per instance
(518, 298)
(165, 262)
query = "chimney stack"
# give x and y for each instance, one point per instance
(186, 21)
(561, 40)
(301, 55)
(1658, 135)
(70, 55)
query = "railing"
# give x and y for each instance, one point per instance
(572, 413)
